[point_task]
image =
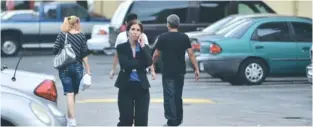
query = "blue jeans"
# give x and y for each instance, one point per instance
(173, 102)
(70, 77)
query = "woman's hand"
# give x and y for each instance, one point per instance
(141, 41)
(112, 74)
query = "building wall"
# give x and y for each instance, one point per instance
(298, 8)
(305, 8)
(106, 8)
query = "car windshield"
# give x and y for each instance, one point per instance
(239, 30)
(217, 25)
(229, 27)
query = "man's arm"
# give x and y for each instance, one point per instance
(155, 56)
(193, 59)
(158, 47)
(115, 59)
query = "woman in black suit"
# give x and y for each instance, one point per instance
(133, 95)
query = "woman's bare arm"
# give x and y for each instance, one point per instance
(86, 64)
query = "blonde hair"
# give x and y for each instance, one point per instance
(70, 22)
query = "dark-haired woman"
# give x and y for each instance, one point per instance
(133, 95)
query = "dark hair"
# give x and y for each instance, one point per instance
(130, 17)
(133, 23)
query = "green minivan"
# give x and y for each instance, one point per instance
(249, 51)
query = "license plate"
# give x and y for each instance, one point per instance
(201, 66)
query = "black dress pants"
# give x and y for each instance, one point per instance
(133, 105)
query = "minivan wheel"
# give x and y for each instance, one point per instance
(253, 72)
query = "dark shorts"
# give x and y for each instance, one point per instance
(70, 77)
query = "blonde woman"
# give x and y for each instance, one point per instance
(71, 74)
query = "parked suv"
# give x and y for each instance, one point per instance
(194, 15)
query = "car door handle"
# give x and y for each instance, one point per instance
(305, 48)
(259, 47)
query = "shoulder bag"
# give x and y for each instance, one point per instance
(65, 56)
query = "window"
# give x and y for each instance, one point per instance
(211, 11)
(277, 32)
(243, 8)
(217, 25)
(303, 31)
(230, 27)
(252, 7)
(157, 11)
(24, 17)
(50, 12)
(68, 10)
(262, 7)
(239, 29)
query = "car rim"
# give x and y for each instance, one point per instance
(9, 47)
(254, 72)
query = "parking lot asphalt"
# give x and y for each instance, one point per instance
(285, 101)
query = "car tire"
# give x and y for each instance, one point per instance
(9, 46)
(235, 81)
(224, 79)
(252, 72)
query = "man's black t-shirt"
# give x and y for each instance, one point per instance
(173, 46)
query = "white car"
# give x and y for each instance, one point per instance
(21, 109)
(38, 86)
(99, 38)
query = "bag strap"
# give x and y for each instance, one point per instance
(65, 38)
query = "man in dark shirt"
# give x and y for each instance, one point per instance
(173, 45)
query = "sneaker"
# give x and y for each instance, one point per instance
(71, 123)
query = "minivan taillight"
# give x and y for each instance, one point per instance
(47, 90)
(215, 49)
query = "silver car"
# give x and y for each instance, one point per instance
(37, 86)
(20, 109)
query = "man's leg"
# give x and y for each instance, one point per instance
(179, 84)
(169, 100)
